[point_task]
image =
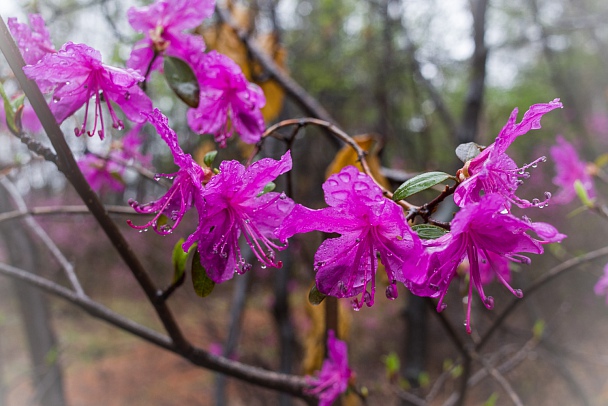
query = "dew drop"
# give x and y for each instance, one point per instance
(344, 177)
(518, 293)
(442, 307)
(547, 195)
(535, 202)
(282, 196)
(263, 266)
(332, 182)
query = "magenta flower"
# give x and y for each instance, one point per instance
(226, 94)
(569, 169)
(601, 287)
(493, 171)
(34, 40)
(29, 119)
(163, 24)
(101, 173)
(234, 204)
(333, 378)
(478, 231)
(187, 188)
(370, 225)
(127, 150)
(78, 75)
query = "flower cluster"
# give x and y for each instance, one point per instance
(229, 204)
(76, 75)
(163, 24)
(228, 102)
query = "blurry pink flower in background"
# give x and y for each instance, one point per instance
(569, 169)
(601, 287)
(332, 379)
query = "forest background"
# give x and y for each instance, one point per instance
(415, 78)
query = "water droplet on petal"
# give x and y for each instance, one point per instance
(518, 293)
(344, 177)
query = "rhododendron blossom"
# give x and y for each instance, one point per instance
(370, 225)
(77, 74)
(493, 171)
(601, 287)
(101, 173)
(477, 231)
(228, 102)
(569, 169)
(332, 380)
(34, 40)
(234, 203)
(163, 24)
(187, 186)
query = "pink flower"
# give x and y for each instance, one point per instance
(29, 119)
(78, 75)
(34, 41)
(601, 287)
(187, 188)
(479, 231)
(569, 169)
(234, 204)
(226, 94)
(101, 173)
(333, 378)
(370, 225)
(163, 24)
(493, 171)
(127, 149)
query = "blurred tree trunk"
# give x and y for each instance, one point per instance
(46, 372)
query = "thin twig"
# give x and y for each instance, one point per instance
(197, 356)
(308, 103)
(540, 282)
(342, 136)
(67, 164)
(44, 237)
(58, 210)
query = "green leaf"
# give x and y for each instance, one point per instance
(582, 194)
(467, 151)
(9, 110)
(491, 400)
(429, 231)
(209, 158)
(315, 297)
(392, 364)
(179, 258)
(538, 329)
(419, 183)
(203, 285)
(182, 80)
(268, 188)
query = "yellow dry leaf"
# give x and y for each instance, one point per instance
(348, 156)
(223, 39)
(314, 344)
